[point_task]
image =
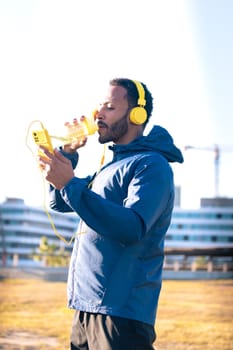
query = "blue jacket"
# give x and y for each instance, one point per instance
(117, 259)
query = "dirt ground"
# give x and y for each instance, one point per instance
(27, 341)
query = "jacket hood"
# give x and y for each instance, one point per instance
(158, 140)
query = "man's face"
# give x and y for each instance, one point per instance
(112, 117)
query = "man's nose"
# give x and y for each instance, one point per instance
(100, 113)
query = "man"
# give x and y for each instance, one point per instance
(115, 272)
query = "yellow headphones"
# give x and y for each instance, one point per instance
(138, 115)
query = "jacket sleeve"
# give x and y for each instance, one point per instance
(149, 195)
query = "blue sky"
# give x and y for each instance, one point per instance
(214, 29)
(57, 57)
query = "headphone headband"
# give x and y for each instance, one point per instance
(141, 93)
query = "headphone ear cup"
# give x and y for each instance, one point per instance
(138, 115)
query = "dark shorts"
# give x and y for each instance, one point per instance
(102, 332)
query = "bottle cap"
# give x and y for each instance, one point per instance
(90, 126)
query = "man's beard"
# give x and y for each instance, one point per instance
(115, 131)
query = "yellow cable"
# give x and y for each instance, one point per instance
(44, 190)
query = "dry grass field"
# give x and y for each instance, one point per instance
(192, 315)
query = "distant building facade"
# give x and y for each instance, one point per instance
(217, 202)
(203, 228)
(22, 226)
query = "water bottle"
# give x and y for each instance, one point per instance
(85, 128)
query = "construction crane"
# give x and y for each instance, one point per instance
(214, 148)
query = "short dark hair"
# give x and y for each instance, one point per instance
(132, 94)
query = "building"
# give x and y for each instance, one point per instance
(207, 229)
(217, 202)
(203, 228)
(21, 229)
